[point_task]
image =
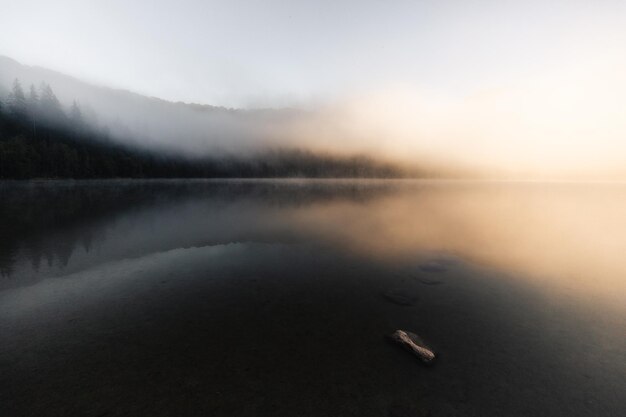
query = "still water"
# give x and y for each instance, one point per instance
(273, 298)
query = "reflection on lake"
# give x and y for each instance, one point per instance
(272, 297)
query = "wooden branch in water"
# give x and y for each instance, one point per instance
(414, 344)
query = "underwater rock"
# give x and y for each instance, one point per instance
(414, 344)
(400, 297)
(430, 281)
(433, 266)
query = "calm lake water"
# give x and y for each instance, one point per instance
(273, 298)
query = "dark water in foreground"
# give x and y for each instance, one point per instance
(272, 298)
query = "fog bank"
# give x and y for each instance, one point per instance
(567, 123)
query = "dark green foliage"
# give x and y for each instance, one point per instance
(37, 140)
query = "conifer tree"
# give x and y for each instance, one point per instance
(32, 106)
(50, 107)
(17, 100)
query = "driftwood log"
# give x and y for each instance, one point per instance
(414, 344)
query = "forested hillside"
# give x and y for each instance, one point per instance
(41, 139)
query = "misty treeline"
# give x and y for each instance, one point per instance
(39, 138)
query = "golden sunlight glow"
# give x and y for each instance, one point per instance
(565, 123)
(558, 235)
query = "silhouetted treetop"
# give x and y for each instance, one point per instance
(17, 100)
(50, 107)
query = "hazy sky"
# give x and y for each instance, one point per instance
(534, 85)
(272, 53)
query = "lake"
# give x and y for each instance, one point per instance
(275, 297)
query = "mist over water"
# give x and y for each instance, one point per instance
(226, 208)
(541, 231)
(516, 285)
(557, 125)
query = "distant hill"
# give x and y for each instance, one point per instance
(155, 124)
(63, 151)
(68, 128)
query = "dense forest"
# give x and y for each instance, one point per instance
(41, 139)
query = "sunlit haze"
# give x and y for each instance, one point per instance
(522, 89)
(309, 208)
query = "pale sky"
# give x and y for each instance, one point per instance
(274, 53)
(519, 86)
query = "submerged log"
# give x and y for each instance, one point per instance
(414, 344)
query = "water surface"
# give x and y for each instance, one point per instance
(273, 298)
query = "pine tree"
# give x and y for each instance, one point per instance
(76, 118)
(33, 101)
(17, 100)
(50, 108)
(32, 105)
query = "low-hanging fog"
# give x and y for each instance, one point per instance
(546, 102)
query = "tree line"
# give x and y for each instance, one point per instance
(40, 139)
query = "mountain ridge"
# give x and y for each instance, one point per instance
(150, 122)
